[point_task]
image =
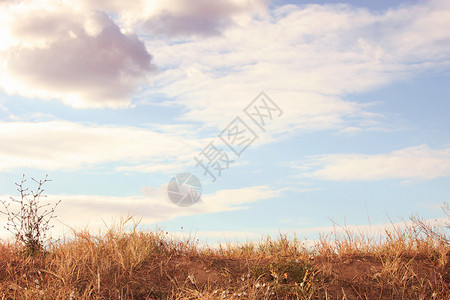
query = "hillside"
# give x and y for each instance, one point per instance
(412, 263)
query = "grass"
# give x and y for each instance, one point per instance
(407, 263)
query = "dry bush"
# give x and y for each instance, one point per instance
(31, 222)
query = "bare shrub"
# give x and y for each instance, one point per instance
(31, 222)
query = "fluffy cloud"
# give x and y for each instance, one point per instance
(180, 18)
(416, 163)
(84, 59)
(304, 56)
(65, 145)
(76, 53)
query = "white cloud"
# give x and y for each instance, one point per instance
(227, 200)
(416, 163)
(81, 58)
(94, 211)
(307, 59)
(65, 145)
(168, 168)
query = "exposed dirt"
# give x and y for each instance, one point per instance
(357, 277)
(367, 277)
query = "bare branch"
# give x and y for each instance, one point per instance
(30, 224)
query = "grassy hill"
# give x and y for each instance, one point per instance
(408, 263)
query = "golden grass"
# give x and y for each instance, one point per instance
(408, 263)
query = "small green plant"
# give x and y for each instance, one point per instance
(31, 222)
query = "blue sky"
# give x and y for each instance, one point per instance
(113, 99)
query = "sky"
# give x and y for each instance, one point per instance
(309, 113)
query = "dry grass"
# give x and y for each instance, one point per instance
(408, 263)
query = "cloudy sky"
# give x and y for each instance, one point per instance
(113, 98)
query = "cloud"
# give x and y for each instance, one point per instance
(168, 168)
(98, 211)
(235, 199)
(415, 163)
(308, 59)
(83, 59)
(304, 56)
(66, 145)
(178, 18)
(94, 211)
